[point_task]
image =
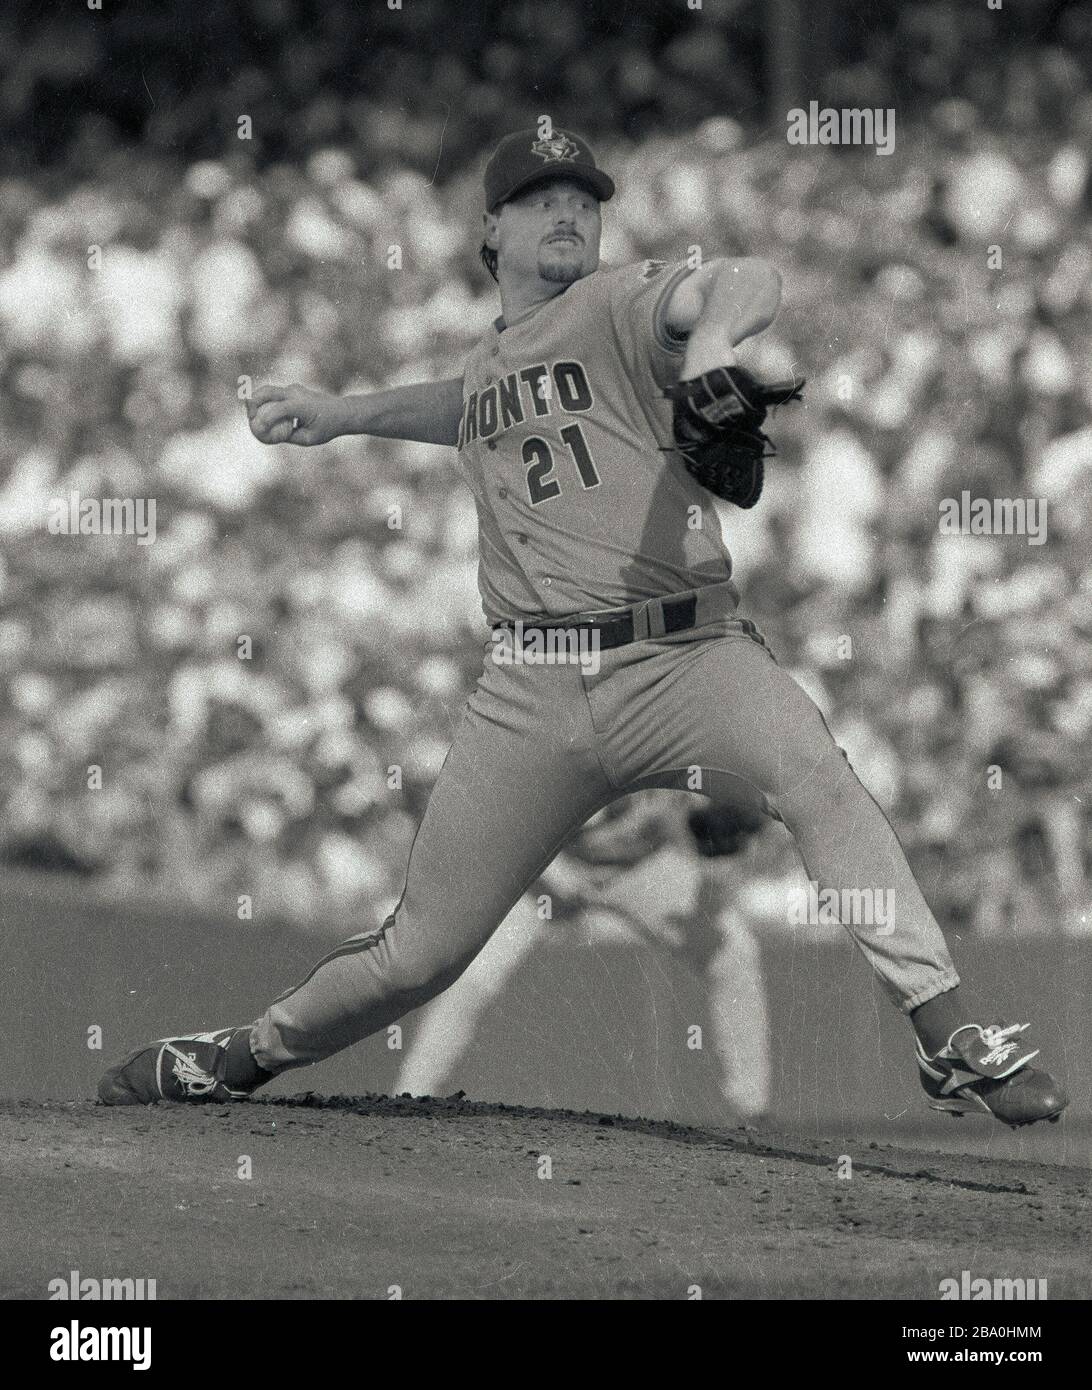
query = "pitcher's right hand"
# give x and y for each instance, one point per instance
(294, 415)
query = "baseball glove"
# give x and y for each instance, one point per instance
(717, 421)
(720, 831)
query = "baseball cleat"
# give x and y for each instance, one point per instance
(191, 1067)
(987, 1069)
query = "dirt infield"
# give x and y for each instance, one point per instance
(349, 1198)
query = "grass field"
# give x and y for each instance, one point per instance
(356, 1197)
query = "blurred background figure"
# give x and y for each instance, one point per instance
(647, 871)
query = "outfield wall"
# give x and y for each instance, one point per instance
(604, 1026)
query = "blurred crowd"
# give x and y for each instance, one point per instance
(255, 706)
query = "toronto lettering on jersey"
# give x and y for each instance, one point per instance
(527, 394)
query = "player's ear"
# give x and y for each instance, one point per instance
(490, 229)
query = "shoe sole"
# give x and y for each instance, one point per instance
(958, 1109)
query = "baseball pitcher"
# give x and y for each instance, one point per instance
(593, 422)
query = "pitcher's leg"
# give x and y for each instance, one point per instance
(723, 704)
(520, 778)
(736, 714)
(504, 803)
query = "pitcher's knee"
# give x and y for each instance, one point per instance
(418, 977)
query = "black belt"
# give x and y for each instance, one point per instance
(615, 626)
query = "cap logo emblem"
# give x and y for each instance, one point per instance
(558, 146)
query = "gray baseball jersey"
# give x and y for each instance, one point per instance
(565, 438)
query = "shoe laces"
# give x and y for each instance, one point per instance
(997, 1039)
(997, 1034)
(192, 1078)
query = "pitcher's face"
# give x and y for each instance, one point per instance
(551, 231)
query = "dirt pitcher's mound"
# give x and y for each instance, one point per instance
(369, 1197)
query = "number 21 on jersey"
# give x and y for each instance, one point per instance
(539, 457)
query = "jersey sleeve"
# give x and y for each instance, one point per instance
(639, 298)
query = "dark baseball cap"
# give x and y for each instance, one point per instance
(526, 158)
